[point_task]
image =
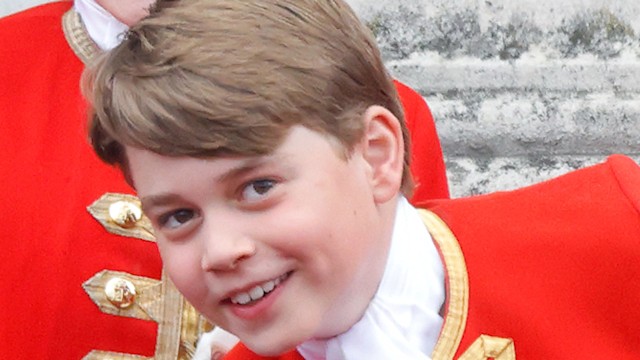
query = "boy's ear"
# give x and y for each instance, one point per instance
(383, 150)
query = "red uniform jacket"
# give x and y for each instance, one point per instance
(551, 271)
(427, 164)
(51, 244)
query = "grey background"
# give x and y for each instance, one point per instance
(11, 6)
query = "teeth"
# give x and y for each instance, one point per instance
(242, 298)
(257, 292)
(270, 285)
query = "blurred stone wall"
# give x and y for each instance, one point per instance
(521, 90)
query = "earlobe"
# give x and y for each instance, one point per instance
(383, 149)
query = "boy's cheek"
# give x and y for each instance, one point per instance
(183, 267)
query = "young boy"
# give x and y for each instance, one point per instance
(42, 120)
(268, 147)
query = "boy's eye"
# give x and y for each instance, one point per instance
(176, 218)
(257, 189)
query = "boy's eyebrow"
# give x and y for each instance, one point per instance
(251, 164)
(158, 200)
(239, 170)
(244, 167)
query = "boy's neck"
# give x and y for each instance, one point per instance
(411, 287)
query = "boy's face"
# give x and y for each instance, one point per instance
(276, 249)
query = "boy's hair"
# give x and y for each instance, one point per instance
(203, 78)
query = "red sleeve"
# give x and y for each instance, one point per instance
(427, 163)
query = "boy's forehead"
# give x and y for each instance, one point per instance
(222, 166)
(149, 169)
(160, 179)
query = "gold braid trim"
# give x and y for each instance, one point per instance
(106, 355)
(485, 347)
(193, 326)
(179, 325)
(489, 347)
(77, 37)
(148, 291)
(457, 286)
(139, 229)
(170, 324)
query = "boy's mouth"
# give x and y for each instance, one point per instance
(258, 291)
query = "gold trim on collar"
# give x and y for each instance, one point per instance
(457, 284)
(455, 319)
(77, 37)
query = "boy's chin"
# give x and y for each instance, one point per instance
(271, 347)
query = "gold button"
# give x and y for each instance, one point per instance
(125, 213)
(120, 292)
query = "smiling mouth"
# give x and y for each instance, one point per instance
(259, 291)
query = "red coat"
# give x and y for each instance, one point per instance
(427, 164)
(551, 271)
(51, 245)
(555, 267)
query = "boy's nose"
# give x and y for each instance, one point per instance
(224, 252)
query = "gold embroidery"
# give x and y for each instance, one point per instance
(105, 355)
(77, 37)
(489, 347)
(147, 294)
(170, 322)
(193, 325)
(179, 325)
(457, 284)
(140, 229)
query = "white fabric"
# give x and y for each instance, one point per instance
(104, 29)
(216, 338)
(403, 320)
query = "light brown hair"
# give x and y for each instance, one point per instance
(206, 77)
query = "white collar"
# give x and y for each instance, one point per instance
(104, 29)
(403, 319)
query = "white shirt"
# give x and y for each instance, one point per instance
(403, 320)
(104, 29)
